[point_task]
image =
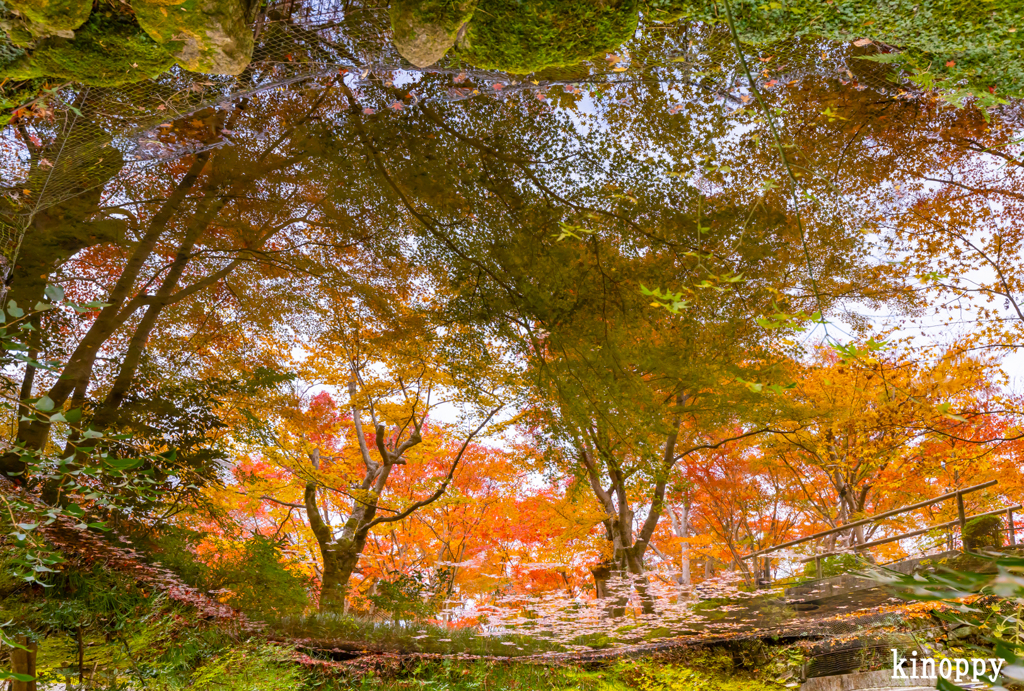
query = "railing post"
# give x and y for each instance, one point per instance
(1009, 521)
(962, 516)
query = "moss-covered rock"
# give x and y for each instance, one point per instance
(53, 16)
(424, 30)
(522, 36)
(213, 36)
(106, 51)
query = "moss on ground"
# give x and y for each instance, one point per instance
(106, 51)
(520, 37)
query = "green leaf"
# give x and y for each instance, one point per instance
(14, 676)
(44, 404)
(124, 463)
(43, 306)
(54, 293)
(73, 415)
(14, 310)
(58, 417)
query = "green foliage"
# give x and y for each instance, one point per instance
(87, 482)
(106, 51)
(522, 37)
(260, 582)
(251, 667)
(257, 578)
(409, 596)
(953, 42)
(983, 532)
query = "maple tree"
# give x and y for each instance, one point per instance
(892, 430)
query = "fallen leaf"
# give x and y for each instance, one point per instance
(951, 63)
(770, 84)
(497, 86)
(460, 77)
(862, 42)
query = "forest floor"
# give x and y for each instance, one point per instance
(112, 621)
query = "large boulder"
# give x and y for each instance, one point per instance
(523, 36)
(52, 16)
(424, 30)
(214, 35)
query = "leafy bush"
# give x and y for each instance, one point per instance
(984, 532)
(256, 576)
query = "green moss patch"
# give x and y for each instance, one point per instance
(53, 15)
(523, 36)
(104, 52)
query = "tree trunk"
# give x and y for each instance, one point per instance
(340, 561)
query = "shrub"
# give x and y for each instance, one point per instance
(983, 532)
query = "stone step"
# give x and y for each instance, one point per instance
(880, 680)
